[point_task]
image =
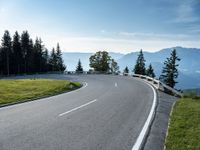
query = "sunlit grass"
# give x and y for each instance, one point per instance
(28, 89)
(184, 130)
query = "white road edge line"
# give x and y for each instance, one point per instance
(141, 136)
(84, 86)
(74, 109)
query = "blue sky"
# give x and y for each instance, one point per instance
(113, 25)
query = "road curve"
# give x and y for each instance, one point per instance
(107, 114)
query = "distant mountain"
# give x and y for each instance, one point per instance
(189, 58)
(189, 69)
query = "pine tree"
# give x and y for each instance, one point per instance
(170, 71)
(60, 63)
(46, 60)
(25, 48)
(126, 71)
(53, 60)
(23, 56)
(1, 61)
(150, 71)
(31, 57)
(6, 51)
(140, 64)
(16, 47)
(38, 51)
(79, 68)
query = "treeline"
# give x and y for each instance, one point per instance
(102, 62)
(169, 72)
(22, 55)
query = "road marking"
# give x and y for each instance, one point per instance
(141, 136)
(86, 84)
(115, 84)
(74, 109)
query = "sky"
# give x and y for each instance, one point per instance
(113, 25)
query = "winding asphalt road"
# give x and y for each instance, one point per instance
(108, 113)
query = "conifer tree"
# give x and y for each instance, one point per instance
(53, 60)
(16, 48)
(170, 71)
(60, 63)
(25, 48)
(79, 68)
(22, 55)
(126, 71)
(140, 64)
(46, 60)
(1, 61)
(150, 71)
(30, 57)
(6, 51)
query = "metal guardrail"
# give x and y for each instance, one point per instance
(158, 84)
(89, 72)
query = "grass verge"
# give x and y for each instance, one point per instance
(13, 91)
(184, 128)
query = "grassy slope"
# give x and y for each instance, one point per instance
(184, 130)
(27, 89)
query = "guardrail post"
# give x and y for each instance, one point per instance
(161, 86)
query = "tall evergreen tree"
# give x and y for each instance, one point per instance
(22, 55)
(46, 60)
(150, 72)
(53, 60)
(79, 68)
(16, 46)
(1, 61)
(126, 71)
(60, 63)
(170, 71)
(38, 51)
(30, 57)
(140, 64)
(25, 48)
(6, 51)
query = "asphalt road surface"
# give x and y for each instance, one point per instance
(108, 113)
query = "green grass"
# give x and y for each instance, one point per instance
(184, 129)
(27, 89)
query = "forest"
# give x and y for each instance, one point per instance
(21, 55)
